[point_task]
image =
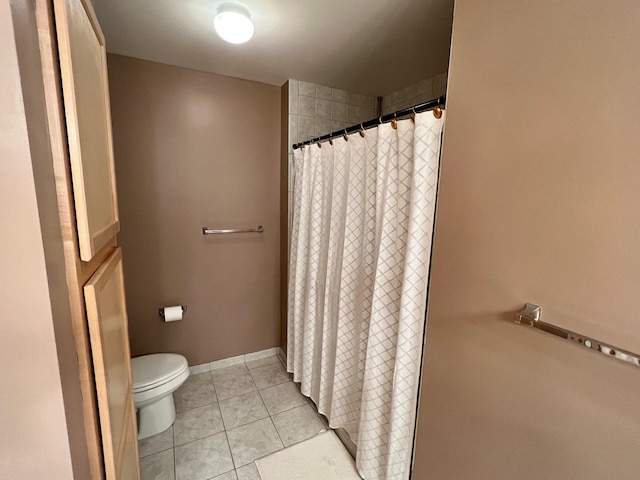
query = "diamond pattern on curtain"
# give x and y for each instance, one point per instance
(359, 264)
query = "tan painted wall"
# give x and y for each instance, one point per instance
(196, 149)
(539, 202)
(34, 441)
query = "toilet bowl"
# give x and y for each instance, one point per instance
(155, 378)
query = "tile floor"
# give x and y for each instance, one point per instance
(228, 418)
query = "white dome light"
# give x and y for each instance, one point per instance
(233, 23)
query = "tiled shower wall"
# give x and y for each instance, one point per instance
(422, 91)
(315, 110)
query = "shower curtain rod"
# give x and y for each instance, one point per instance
(421, 107)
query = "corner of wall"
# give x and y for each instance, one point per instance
(285, 204)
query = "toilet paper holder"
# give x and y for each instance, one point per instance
(161, 310)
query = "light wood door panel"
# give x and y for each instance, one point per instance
(108, 332)
(83, 67)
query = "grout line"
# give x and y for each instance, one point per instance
(233, 462)
(175, 457)
(200, 406)
(159, 451)
(277, 432)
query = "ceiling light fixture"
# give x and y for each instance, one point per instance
(233, 23)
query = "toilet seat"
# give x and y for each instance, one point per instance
(153, 371)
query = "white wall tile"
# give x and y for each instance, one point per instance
(354, 114)
(368, 114)
(339, 111)
(270, 352)
(340, 95)
(307, 106)
(226, 362)
(438, 92)
(324, 92)
(369, 101)
(323, 108)
(293, 130)
(291, 173)
(293, 96)
(424, 86)
(306, 128)
(323, 126)
(355, 99)
(397, 97)
(308, 89)
(425, 97)
(410, 92)
(440, 80)
(197, 369)
(337, 125)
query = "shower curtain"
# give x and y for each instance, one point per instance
(359, 264)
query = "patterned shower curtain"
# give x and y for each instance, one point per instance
(359, 264)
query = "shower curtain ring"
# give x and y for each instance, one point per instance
(346, 139)
(413, 114)
(361, 132)
(394, 122)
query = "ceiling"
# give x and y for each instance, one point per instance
(366, 46)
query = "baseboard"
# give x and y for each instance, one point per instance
(228, 362)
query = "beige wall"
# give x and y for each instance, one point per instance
(196, 149)
(34, 375)
(539, 202)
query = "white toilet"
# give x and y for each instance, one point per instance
(155, 378)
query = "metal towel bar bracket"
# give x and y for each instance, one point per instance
(530, 315)
(208, 231)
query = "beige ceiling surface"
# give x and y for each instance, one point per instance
(365, 46)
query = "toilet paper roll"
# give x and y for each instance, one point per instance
(172, 314)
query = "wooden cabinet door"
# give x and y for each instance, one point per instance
(83, 67)
(108, 332)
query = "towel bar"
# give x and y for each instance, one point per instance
(208, 231)
(530, 315)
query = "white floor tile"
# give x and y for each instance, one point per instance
(194, 394)
(253, 441)
(203, 459)
(157, 443)
(197, 423)
(234, 384)
(248, 472)
(269, 375)
(227, 476)
(242, 409)
(158, 466)
(282, 397)
(297, 425)
(261, 362)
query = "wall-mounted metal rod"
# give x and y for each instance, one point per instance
(209, 231)
(421, 107)
(530, 315)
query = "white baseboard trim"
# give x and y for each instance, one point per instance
(228, 362)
